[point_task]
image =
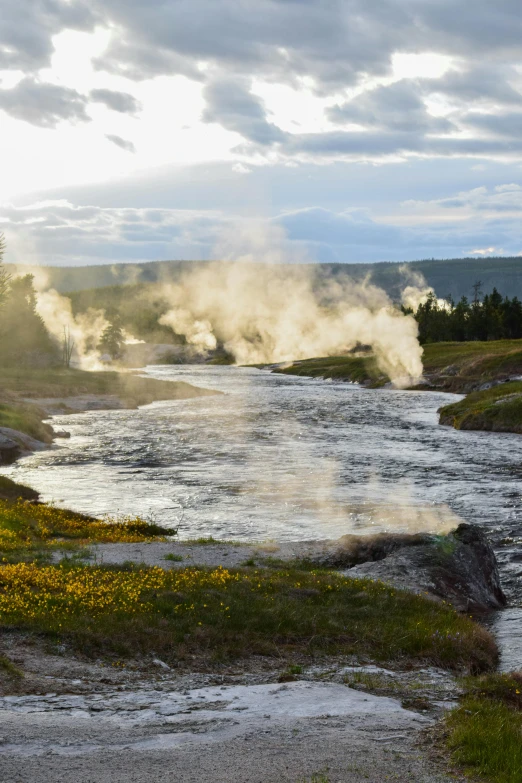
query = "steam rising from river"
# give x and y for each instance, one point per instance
(267, 313)
(261, 310)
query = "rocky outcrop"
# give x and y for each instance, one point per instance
(14, 444)
(459, 568)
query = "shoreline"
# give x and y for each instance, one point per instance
(489, 375)
(20, 400)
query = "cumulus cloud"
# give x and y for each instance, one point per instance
(329, 46)
(43, 104)
(231, 104)
(397, 107)
(27, 30)
(332, 42)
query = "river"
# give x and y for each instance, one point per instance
(280, 457)
(286, 458)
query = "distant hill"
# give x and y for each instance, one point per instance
(450, 276)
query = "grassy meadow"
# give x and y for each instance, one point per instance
(219, 614)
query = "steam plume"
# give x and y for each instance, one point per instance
(267, 313)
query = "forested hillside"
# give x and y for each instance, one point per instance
(449, 277)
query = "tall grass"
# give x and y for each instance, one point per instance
(485, 732)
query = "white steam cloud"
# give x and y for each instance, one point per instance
(270, 313)
(84, 329)
(418, 290)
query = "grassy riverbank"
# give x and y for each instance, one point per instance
(60, 382)
(285, 614)
(278, 610)
(451, 367)
(29, 396)
(26, 418)
(498, 409)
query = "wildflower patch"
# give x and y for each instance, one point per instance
(221, 614)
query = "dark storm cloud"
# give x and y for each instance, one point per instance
(117, 101)
(43, 104)
(230, 104)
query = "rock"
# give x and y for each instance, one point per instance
(459, 568)
(14, 444)
(10, 450)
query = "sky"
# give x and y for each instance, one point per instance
(344, 130)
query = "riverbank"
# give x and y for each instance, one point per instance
(152, 703)
(29, 396)
(488, 372)
(231, 648)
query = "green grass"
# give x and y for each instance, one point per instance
(61, 382)
(357, 369)
(466, 366)
(28, 530)
(10, 490)
(8, 668)
(215, 614)
(498, 409)
(485, 733)
(210, 541)
(174, 558)
(27, 419)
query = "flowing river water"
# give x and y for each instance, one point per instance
(285, 458)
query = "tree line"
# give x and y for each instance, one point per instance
(489, 317)
(24, 338)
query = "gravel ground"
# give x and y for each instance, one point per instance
(271, 733)
(71, 718)
(222, 554)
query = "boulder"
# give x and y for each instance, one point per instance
(14, 444)
(9, 450)
(459, 568)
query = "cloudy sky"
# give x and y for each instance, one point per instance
(360, 130)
